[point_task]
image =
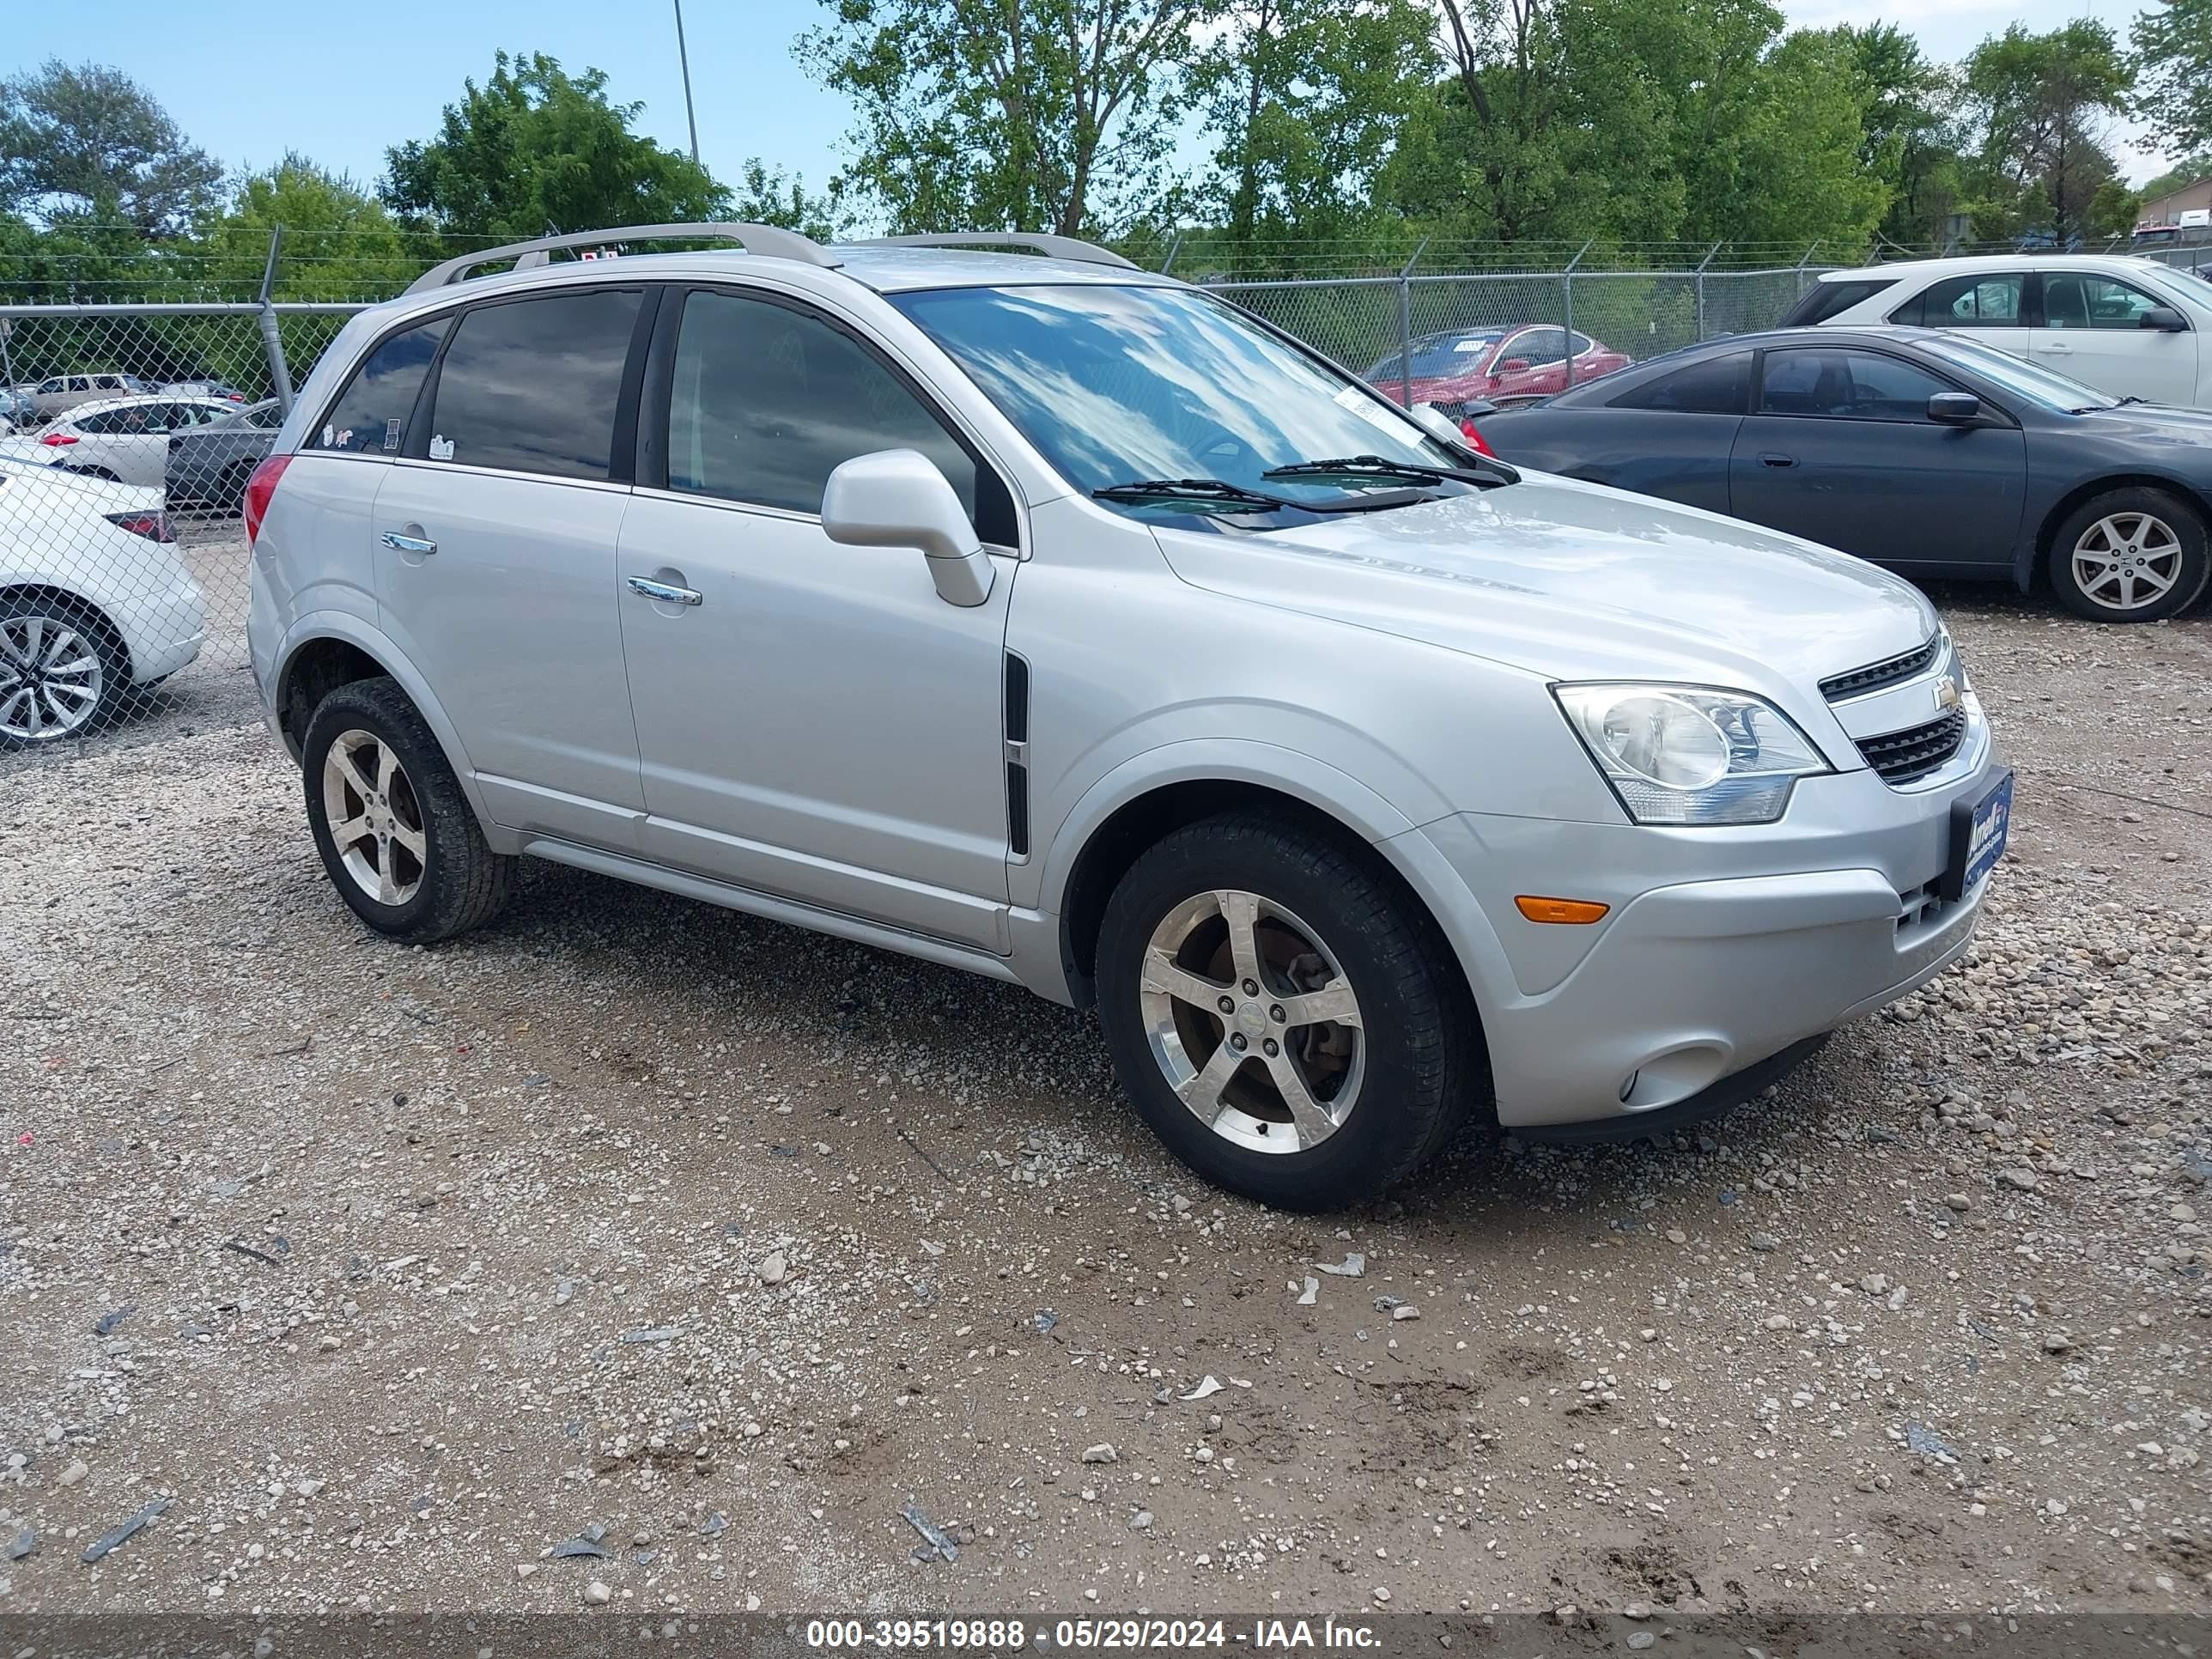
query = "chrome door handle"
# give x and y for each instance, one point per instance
(665, 593)
(399, 543)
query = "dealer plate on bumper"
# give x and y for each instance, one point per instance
(1977, 836)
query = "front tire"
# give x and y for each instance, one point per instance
(2130, 555)
(1281, 1018)
(397, 837)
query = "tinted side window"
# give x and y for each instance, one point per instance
(370, 417)
(1721, 386)
(1537, 347)
(534, 385)
(1826, 300)
(1968, 302)
(768, 401)
(1853, 385)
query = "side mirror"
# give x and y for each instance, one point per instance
(1954, 408)
(1438, 424)
(1512, 365)
(2166, 319)
(897, 498)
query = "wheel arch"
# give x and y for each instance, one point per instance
(333, 648)
(2036, 577)
(96, 615)
(1111, 828)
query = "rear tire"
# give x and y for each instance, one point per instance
(2131, 555)
(1303, 1113)
(62, 671)
(398, 836)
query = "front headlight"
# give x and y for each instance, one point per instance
(1690, 755)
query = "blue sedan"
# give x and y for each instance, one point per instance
(1927, 452)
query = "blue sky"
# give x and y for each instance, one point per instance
(341, 83)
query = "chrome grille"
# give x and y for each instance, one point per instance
(1914, 753)
(1857, 682)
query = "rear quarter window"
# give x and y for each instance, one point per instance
(371, 415)
(1825, 299)
(1720, 385)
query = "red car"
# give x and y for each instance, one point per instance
(1499, 365)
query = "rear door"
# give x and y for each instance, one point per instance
(494, 537)
(1839, 449)
(2092, 329)
(1994, 306)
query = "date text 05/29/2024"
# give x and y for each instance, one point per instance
(1127, 1634)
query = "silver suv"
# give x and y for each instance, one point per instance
(1041, 617)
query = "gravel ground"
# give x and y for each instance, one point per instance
(635, 1252)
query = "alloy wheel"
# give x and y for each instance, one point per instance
(2126, 561)
(52, 679)
(375, 819)
(1253, 1022)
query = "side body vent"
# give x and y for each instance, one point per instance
(1018, 756)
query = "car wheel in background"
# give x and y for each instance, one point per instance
(397, 835)
(62, 668)
(2131, 554)
(1279, 1018)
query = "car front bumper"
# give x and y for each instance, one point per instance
(1722, 949)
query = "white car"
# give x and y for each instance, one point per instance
(95, 602)
(2132, 327)
(123, 440)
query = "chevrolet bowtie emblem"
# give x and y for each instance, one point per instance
(1946, 694)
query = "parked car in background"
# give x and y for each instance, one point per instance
(207, 466)
(1498, 366)
(18, 411)
(57, 392)
(1925, 451)
(1123, 649)
(95, 602)
(2132, 327)
(125, 440)
(204, 389)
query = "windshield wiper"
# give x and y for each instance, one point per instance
(1491, 473)
(1239, 498)
(2130, 398)
(1190, 489)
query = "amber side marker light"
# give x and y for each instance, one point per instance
(1560, 910)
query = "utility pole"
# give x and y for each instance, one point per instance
(684, 58)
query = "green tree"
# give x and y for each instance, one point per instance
(1306, 98)
(535, 148)
(2183, 173)
(339, 242)
(76, 138)
(767, 195)
(986, 114)
(2046, 103)
(1912, 140)
(2173, 72)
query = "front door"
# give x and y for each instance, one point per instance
(2092, 329)
(1839, 449)
(495, 557)
(813, 721)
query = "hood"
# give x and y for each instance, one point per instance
(2153, 423)
(1577, 581)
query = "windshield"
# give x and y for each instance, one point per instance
(2189, 282)
(1437, 355)
(2026, 380)
(1116, 384)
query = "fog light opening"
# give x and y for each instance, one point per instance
(1628, 1085)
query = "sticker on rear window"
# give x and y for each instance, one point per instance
(442, 449)
(392, 433)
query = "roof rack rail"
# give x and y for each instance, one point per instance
(1059, 247)
(769, 241)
